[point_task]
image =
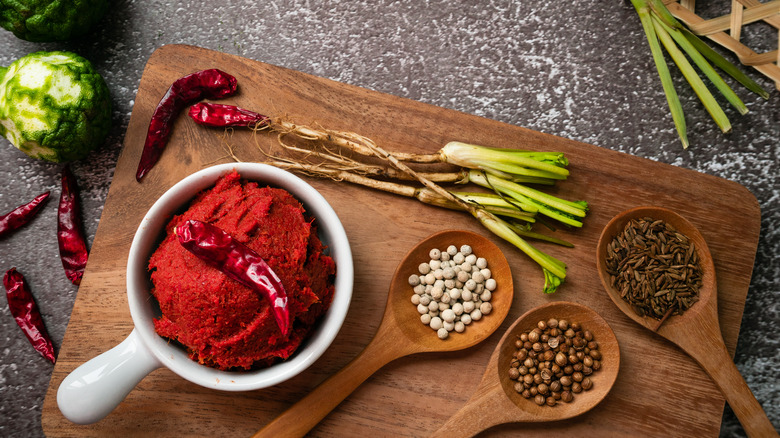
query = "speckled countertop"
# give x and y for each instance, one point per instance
(580, 70)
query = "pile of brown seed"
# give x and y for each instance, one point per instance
(554, 361)
(655, 268)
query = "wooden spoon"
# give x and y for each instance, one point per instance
(496, 401)
(696, 331)
(401, 333)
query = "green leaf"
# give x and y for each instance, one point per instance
(705, 67)
(706, 98)
(672, 99)
(724, 64)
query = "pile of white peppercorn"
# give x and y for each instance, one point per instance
(453, 289)
(554, 361)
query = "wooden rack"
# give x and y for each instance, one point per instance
(743, 12)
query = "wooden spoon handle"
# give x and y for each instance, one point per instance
(486, 408)
(717, 362)
(301, 417)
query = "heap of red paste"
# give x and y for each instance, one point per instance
(222, 323)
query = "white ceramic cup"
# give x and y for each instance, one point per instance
(94, 389)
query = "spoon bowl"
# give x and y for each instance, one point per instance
(496, 401)
(697, 330)
(401, 332)
(706, 307)
(407, 319)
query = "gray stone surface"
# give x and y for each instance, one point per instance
(580, 70)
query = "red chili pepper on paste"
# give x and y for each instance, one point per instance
(21, 215)
(26, 313)
(218, 248)
(73, 245)
(205, 84)
(218, 115)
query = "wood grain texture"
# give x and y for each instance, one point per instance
(660, 390)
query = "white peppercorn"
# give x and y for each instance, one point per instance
(458, 258)
(452, 290)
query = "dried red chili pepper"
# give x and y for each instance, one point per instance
(21, 215)
(24, 310)
(218, 115)
(205, 84)
(239, 262)
(73, 245)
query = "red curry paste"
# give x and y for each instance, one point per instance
(222, 323)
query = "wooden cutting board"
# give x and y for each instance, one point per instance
(659, 392)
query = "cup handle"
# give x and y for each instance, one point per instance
(95, 388)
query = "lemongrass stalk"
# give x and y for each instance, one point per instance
(527, 232)
(490, 200)
(706, 98)
(494, 204)
(724, 64)
(505, 160)
(554, 270)
(672, 99)
(716, 58)
(548, 205)
(662, 13)
(705, 67)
